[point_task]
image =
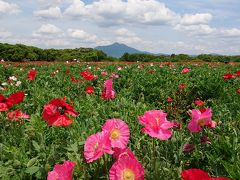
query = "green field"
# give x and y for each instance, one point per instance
(30, 148)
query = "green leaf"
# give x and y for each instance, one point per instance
(32, 170)
(36, 146)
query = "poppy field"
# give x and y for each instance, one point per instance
(120, 121)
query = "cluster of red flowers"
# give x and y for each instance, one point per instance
(231, 76)
(7, 103)
(88, 75)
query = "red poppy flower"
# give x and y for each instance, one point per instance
(228, 76)
(67, 71)
(55, 113)
(199, 102)
(181, 86)
(32, 74)
(237, 73)
(17, 115)
(16, 98)
(238, 91)
(187, 148)
(73, 79)
(89, 90)
(88, 75)
(169, 100)
(198, 174)
(6, 103)
(151, 71)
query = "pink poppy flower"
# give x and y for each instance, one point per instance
(17, 115)
(205, 139)
(118, 132)
(62, 171)
(200, 118)
(104, 73)
(126, 168)
(114, 76)
(181, 86)
(119, 153)
(176, 124)
(185, 70)
(187, 148)
(156, 124)
(96, 145)
(108, 91)
(198, 174)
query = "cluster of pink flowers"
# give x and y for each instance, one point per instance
(113, 139)
(108, 91)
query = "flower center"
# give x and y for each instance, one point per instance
(158, 120)
(128, 174)
(115, 133)
(61, 109)
(95, 146)
(201, 122)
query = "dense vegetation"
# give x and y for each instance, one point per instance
(30, 147)
(21, 52)
(178, 58)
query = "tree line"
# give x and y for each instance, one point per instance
(20, 52)
(179, 58)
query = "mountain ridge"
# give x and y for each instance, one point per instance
(118, 49)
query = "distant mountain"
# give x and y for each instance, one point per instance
(117, 50)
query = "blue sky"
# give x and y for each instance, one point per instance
(159, 26)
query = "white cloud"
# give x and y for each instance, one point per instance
(4, 34)
(52, 12)
(52, 3)
(126, 36)
(56, 42)
(48, 29)
(196, 19)
(112, 12)
(8, 8)
(201, 29)
(232, 32)
(82, 35)
(77, 8)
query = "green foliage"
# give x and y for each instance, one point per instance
(21, 52)
(30, 148)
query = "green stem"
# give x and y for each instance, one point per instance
(154, 156)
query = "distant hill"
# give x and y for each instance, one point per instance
(117, 50)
